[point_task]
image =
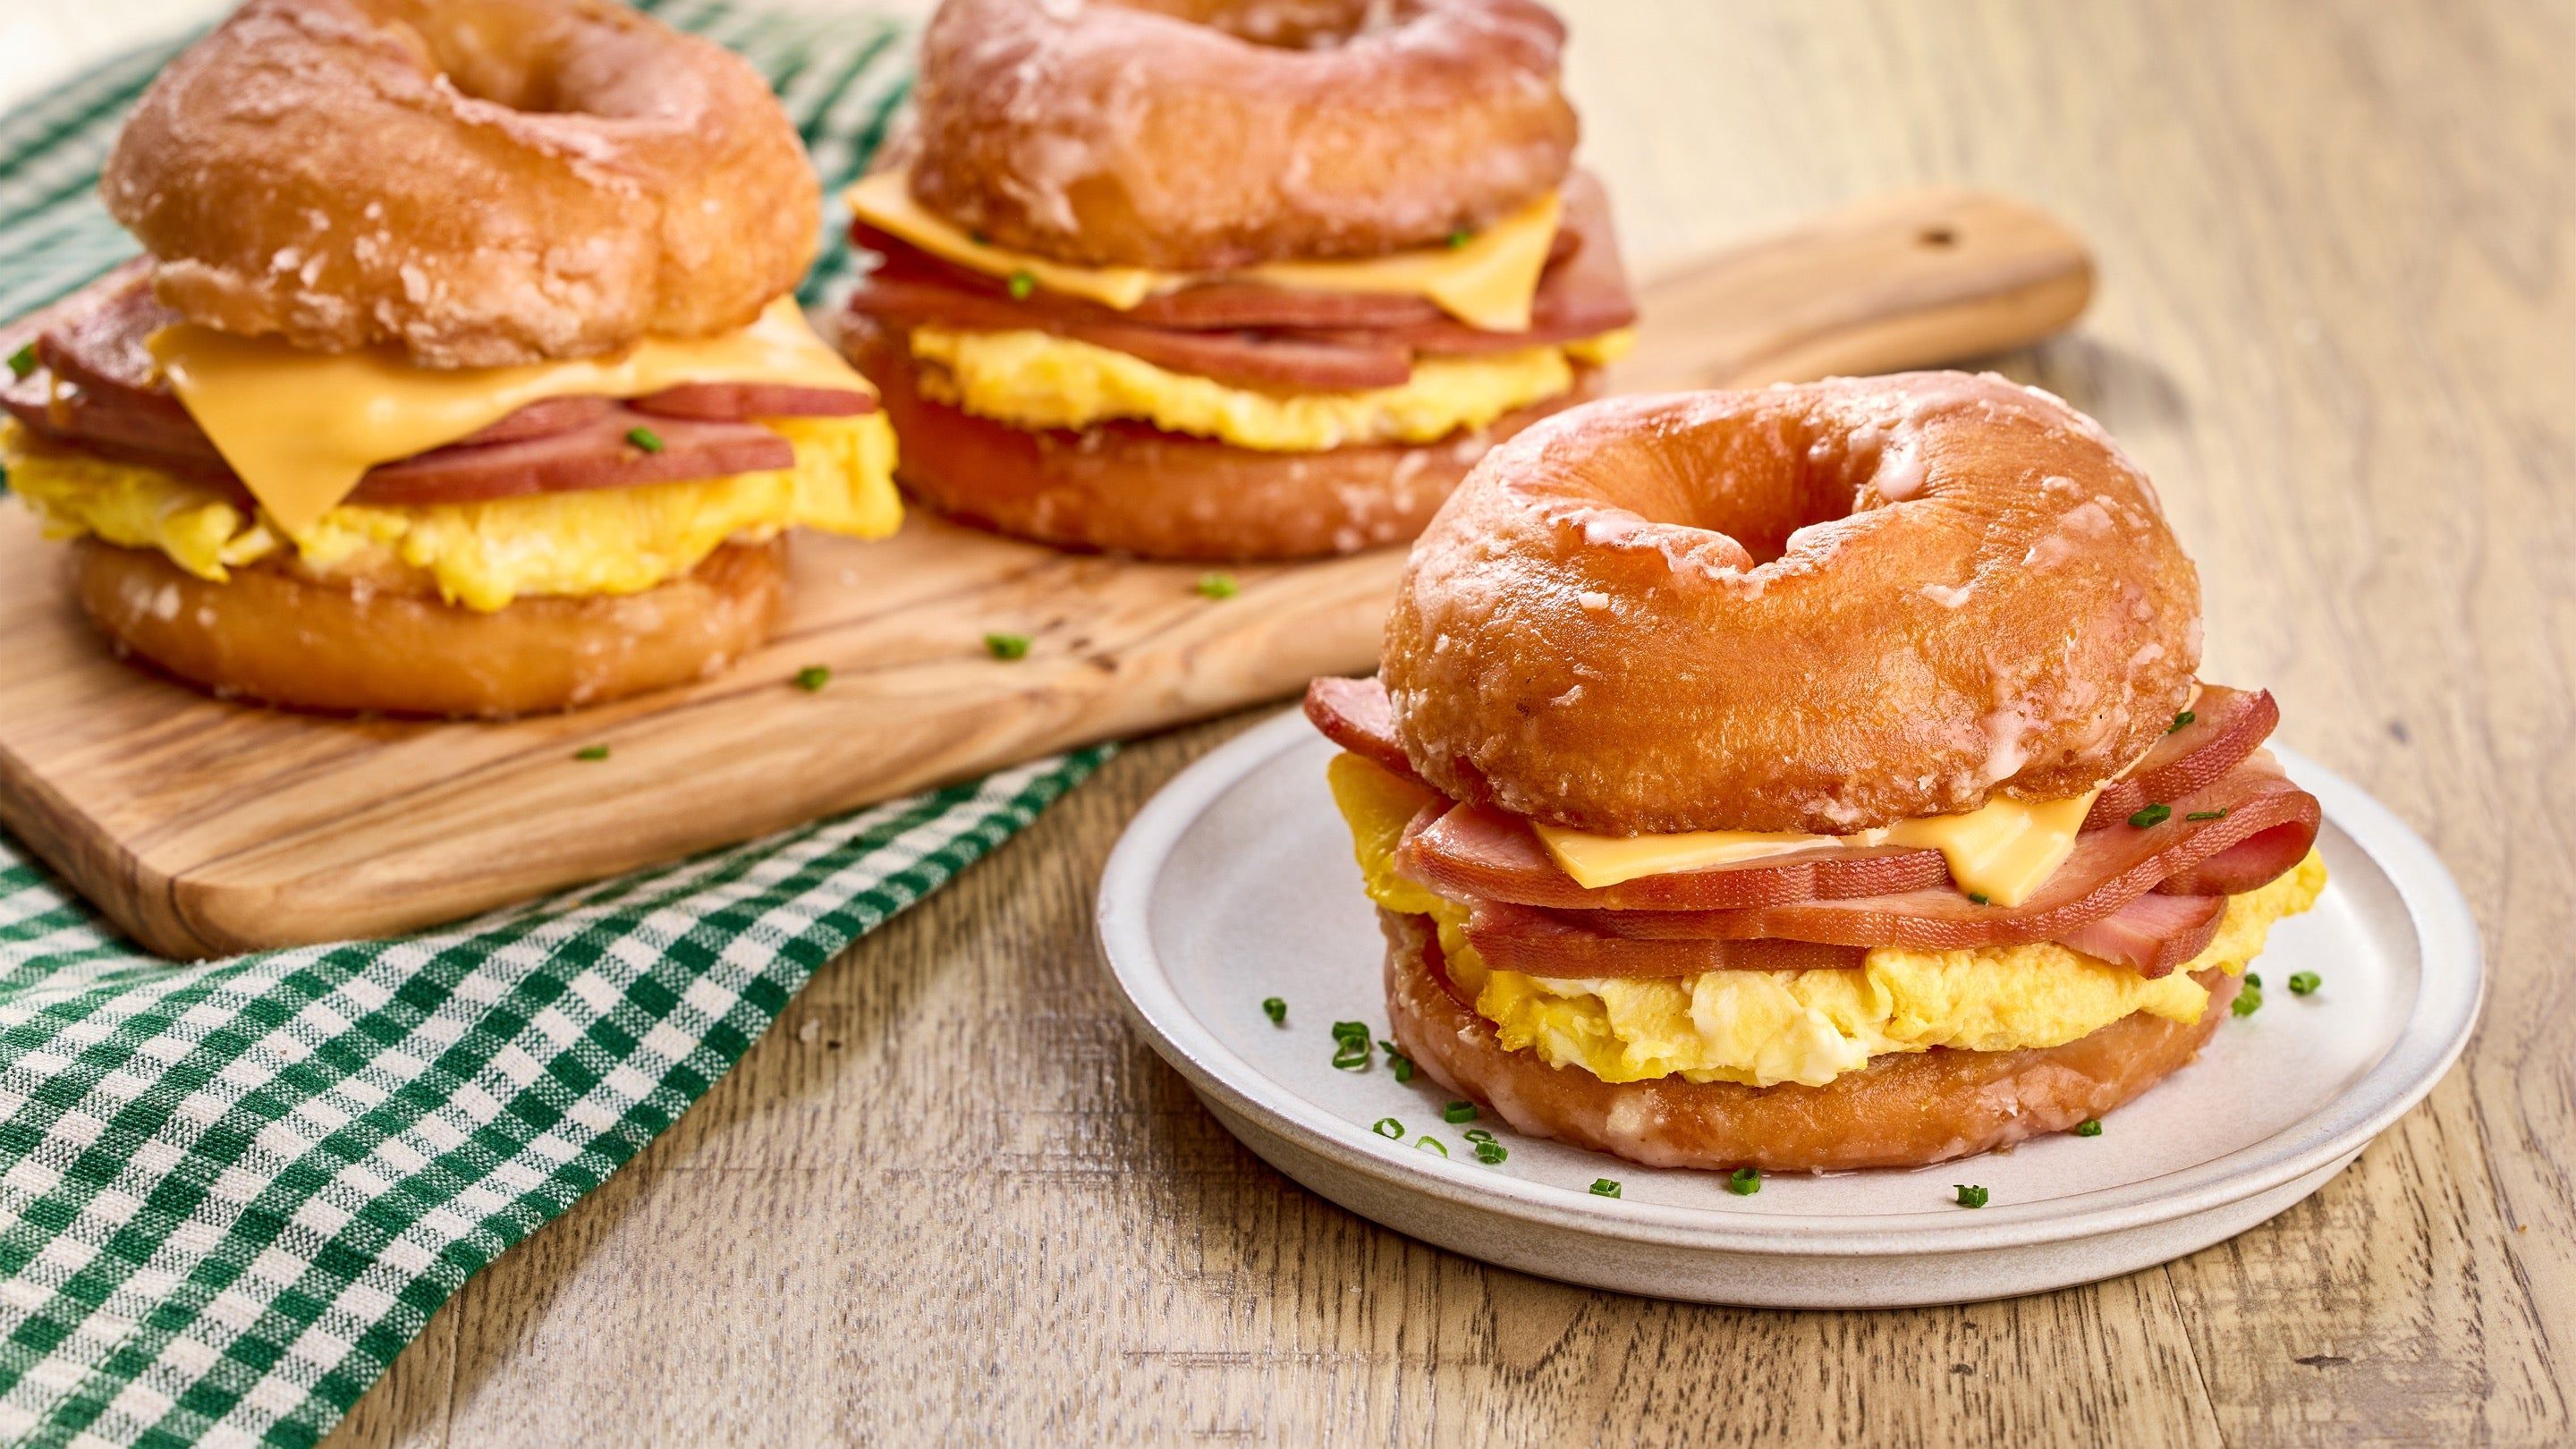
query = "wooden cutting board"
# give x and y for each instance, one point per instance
(205, 828)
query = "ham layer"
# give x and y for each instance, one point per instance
(1252, 335)
(97, 390)
(2142, 890)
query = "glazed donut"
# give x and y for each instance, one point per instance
(1209, 134)
(1815, 608)
(1899, 1111)
(1126, 488)
(272, 634)
(479, 181)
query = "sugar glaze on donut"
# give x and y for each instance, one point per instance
(1211, 134)
(1820, 608)
(479, 181)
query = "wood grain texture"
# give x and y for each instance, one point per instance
(204, 828)
(950, 1196)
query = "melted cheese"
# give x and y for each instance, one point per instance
(301, 428)
(1487, 281)
(2004, 851)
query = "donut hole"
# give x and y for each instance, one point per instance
(1284, 24)
(1758, 487)
(490, 54)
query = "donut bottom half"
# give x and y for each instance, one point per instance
(1127, 488)
(272, 635)
(1900, 1111)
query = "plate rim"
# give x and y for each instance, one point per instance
(2437, 1028)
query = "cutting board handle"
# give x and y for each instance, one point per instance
(1900, 281)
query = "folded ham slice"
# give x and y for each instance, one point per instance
(2226, 726)
(1356, 714)
(2152, 934)
(2257, 860)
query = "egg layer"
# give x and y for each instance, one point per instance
(481, 555)
(1762, 1028)
(1034, 379)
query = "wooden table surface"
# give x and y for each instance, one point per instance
(951, 1195)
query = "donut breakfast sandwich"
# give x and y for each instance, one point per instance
(463, 376)
(1810, 778)
(1211, 279)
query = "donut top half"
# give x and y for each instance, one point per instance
(479, 182)
(1822, 608)
(1209, 135)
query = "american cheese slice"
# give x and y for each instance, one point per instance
(2004, 851)
(301, 428)
(1487, 281)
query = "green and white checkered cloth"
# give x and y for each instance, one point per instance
(230, 1193)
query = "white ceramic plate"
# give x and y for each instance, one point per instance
(1236, 883)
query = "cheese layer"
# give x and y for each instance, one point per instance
(1488, 280)
(1763, 1028)
(480, 555)
(301, 428)
(1037, 380)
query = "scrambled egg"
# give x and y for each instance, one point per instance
(1767, 1027)
(483, 555)
(1036, 380)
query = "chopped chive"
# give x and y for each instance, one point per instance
(1022, 284)
(1351, 1045)
(1389, 1128)
(645, 438)
(2184, 718)
(1275, 1009)
(1477, 1134)
(1218, 586)
(1744, 1181)
(1491, 1153)
(1981, 898)
(1431, 1144)
(2249, 997)
(1460, 238)
(2089, 1127)
(1401, 1065)
(2152, 815)
(22, 361)
(812, 678)
(591, 752)
(1970, 1195)
(1007, 646)
(1604, 1187)
(1387, 1046)
(1457, 1112)
(2206, 815)
(2303, 983)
